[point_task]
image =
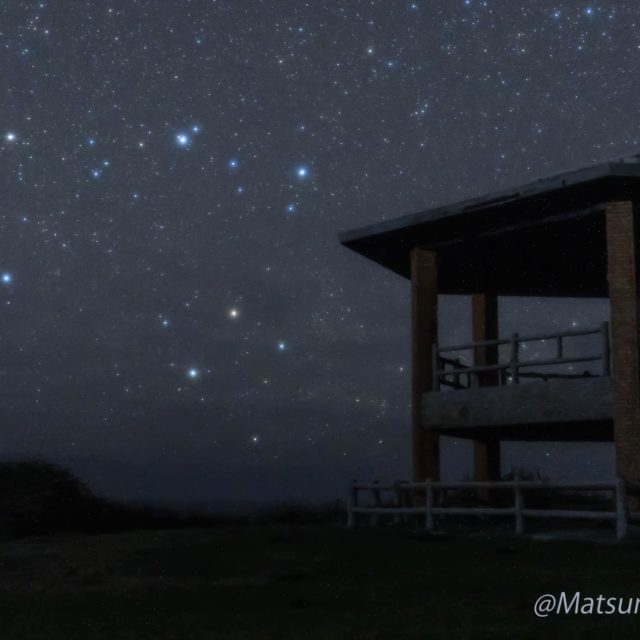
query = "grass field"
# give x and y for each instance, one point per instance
(311, 581)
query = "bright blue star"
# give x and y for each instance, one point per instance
(193, 373)
(240, 189)
(233, 163)
(183, 140)
(589, 11)
(281, 346)
(195, 128)
(302, 171)
(7, 278)
(10, 136)
(91, 142)
(291, 208)
(105, 163)
(96, 173)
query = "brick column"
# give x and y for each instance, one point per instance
(484, 319)
(624, 280)
(424, 332)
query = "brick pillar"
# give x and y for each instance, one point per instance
(484, 319)
(624, 281)
(424, 332)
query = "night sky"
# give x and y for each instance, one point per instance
(179, 321)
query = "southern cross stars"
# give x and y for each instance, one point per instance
(6, 278)
(183, 139)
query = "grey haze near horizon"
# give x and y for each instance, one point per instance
(179, 322)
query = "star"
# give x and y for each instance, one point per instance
(282, 346)
(233, 313)
(10, 136)
(302, 171)
(183, 140)
(7, 278)
(193, 373)
(291, 208)
(233, 163)
(96, 173)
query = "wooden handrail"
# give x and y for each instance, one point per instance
(514, 363)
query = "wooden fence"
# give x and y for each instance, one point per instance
(420, 499)
(452, 372)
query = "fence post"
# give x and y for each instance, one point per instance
(519, 506)
(435, 365)
(456, 377)
(375, 518)
(513, 360)
(353, 502)
(606, 349)
(621, 509)
(428, 505)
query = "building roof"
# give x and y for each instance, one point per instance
(519, 215)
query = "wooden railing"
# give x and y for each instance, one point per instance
(454, 373)
(423, 499)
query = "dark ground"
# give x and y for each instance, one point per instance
(307, 581)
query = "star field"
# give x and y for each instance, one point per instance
(176, 309)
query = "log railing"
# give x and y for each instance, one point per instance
(424, 499)
(454, 373)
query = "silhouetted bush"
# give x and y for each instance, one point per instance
(37, 497)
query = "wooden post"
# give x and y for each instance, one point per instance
(435, 365)
(424, 333)
(606, 349)
(429, 506)
(623, 274)
(621, 509)
(519, 506)
(375, 518)
(513, 360)
(484, 319)
(353, 502)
